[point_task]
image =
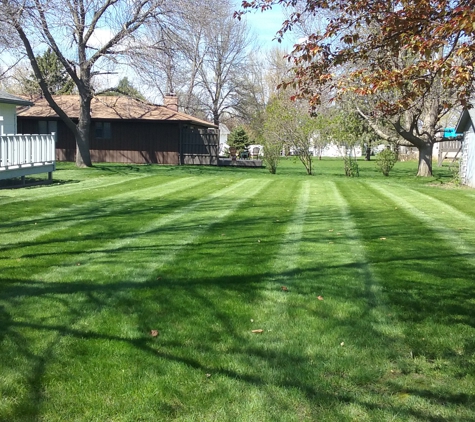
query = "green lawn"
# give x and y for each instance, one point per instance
(92, 263)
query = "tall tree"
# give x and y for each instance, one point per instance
(224, 66)
(86, 36)
(202, 58)
(413, 60)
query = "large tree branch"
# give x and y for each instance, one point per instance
(376, 128)
(95, 19)
(54, 46)
(41, 81)
(128, 28)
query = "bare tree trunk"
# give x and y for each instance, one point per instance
(425, 160)
(83, 155)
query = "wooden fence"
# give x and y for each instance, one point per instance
(22, 155)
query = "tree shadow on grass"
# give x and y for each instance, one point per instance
(204, 320)
(330, 384)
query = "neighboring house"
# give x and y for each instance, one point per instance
(334, 150)
(466, 126)
(223, 139)
(22, 155)
(126, 130)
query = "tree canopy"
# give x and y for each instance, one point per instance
(437, 34)
(407, 62)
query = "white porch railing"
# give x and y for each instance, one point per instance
(21, 155)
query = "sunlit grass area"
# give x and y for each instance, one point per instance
(132, 292)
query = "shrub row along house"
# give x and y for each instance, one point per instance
(126, 130)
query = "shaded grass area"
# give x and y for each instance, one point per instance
(89, 267)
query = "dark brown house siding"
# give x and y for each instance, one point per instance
(136, 142)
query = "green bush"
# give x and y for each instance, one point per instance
(239, 138)
(385, 160)
(351, 166)
(455, 172)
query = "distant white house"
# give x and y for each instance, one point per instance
(466, 125)
(22, 155)
(333, 150)
(223, 138)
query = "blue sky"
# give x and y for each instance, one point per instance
(265, 25)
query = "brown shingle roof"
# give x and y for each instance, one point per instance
(110, 107)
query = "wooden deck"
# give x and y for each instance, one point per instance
(239, 163)
(449, 149)
(24, 155)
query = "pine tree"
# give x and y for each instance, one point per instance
(239, 138)
(58, 81)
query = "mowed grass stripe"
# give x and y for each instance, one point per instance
(436, 208)
(27, 229)
(426, 287)
(428, 211)
(63, 245)
(165, 235)
(378, 310)
(67, 189)
(406, 280)
(285, 261)
(289, 248)
(84, 200)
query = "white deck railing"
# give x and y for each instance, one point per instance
(26, 154)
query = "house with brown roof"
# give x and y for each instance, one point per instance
(126, 130)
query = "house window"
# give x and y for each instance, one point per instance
(102, 130)
(47, 126)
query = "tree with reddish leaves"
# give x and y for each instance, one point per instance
(407, 63)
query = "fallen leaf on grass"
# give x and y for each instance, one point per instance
(285, 289)
(320, 297)
(257, 331)
(154, 333)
